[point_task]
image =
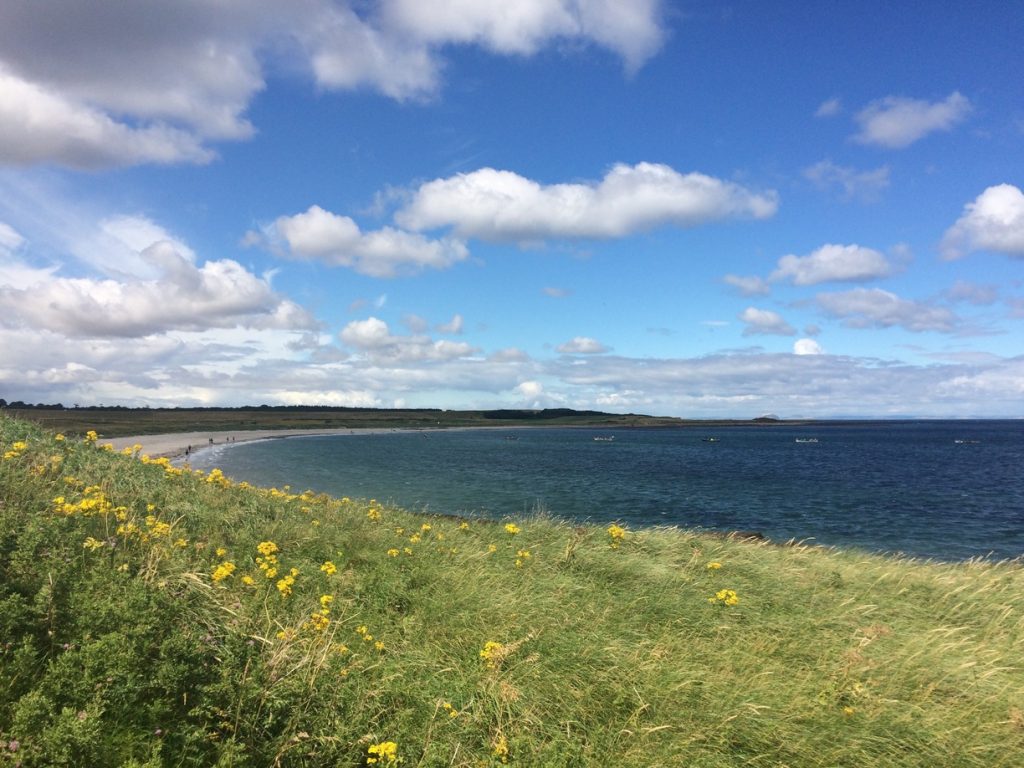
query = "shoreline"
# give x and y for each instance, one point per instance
(173, 445)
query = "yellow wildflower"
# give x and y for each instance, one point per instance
(501, 748)
(617, 534)
(725, 596)
(266, 548)
(393, 552)
(714, 566)
(91, 436)
(384, 753)
(463, 526)
(221, 551)
(329, 568)
(248, 580)
(492, 653)
(223, 571)
(93, 544)
(512, 528)
(325, 601)
(59, 438)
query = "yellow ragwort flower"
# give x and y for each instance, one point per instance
(384, 753)
(512, 528)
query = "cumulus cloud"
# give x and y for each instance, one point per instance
(113, 83)
(863, 185)
(218, 294)
(807, 347)
(500, 205)
(373, 338)
(764, 322)
(748, 285)
(895, 122)
(833, 263)
(875, 308)
(582, 345)
(337, 240)
(38, 125)
(994, 221)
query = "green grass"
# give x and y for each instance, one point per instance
(122, 648)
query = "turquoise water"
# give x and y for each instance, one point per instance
(948, 490)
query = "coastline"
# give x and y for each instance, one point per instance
(173, 445)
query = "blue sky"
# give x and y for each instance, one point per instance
(690, 209)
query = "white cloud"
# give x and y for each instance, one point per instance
(895, 122)
(112, 83)
(630, 29)
(39, 126)
(829, 108)
(582, 345)
(748, 285)
(875, 308)
(833, 263)
(863, 185)
(10, 239)
(373, 338)
(807, 347)
(501, 205)
(219, 294)
(994, 221)
(452, 327)
(337, 240)
(764, 322)
(973, 293)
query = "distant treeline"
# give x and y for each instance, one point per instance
(504, 414)
(18, 404)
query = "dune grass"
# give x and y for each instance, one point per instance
(151, 616)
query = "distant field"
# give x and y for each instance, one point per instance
(120, 422)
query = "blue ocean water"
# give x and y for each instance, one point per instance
(946, 490)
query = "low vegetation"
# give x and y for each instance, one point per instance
(153, 616)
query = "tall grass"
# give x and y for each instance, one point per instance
(127, 637)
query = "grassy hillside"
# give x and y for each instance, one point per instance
(151, 617)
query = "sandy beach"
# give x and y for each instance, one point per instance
(174, 445)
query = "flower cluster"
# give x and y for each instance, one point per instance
(521, 556)
(725, 597)
(714, 566)
(617, 534)
(15, 450)
(284, 585)
(492, 653)
(319, 620)
(329, 568)
(267, 561)
(384, 753)
(511, 529)
(223, 571)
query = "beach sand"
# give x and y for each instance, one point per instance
(174, 445)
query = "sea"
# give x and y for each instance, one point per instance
(945, 490)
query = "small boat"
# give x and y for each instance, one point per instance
(609, 439)
(806, 440)
(710, 439)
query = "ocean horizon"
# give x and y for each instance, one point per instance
(948, 490)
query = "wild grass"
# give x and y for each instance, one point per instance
(127, 639)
